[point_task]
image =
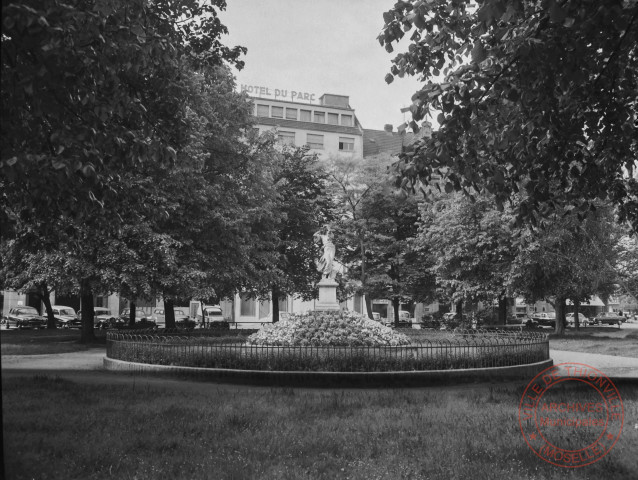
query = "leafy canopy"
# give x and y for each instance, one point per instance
(536, 97)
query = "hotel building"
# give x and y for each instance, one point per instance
(329, 127)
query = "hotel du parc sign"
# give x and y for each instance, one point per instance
(278, 94)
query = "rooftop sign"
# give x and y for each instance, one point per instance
(278, 94)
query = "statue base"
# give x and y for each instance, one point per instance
(327, 295)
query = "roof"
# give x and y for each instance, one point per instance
(382, 141)
(319, 127)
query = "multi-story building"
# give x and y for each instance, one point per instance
(329, 127)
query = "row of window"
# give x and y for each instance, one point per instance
(314, 141)
(302, 115)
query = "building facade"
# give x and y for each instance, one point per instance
(329, 127)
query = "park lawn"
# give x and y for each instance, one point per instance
(42, 342)
(56, 428)
(603, 340)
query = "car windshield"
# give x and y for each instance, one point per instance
(67, 311)
(102, 311)
(27, 311)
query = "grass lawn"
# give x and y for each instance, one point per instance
(58, 429)
(40, 342)
(603, 340)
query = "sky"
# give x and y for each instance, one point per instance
(321, 46)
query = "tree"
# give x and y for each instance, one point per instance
(351, 182)
(538, 97)
(472, 246)
(93, 98)
(305, 207)
(567, 260)
(376, 227)
(394, 267)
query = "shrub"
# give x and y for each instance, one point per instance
(327, 329)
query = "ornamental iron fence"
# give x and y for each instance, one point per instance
(460, 349)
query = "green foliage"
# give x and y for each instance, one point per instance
(534, 97)
(376, 227)
(470, 245)
(124, 151)
(304, 206)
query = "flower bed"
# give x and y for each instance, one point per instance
(338, 329)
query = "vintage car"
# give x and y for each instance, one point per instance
(544, 319)
(608, 318)
(213, 317)
(63, 315)
(570, 319)
(181, 318)
(25, 317)
(102, 318)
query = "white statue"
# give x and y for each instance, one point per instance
(325, 262)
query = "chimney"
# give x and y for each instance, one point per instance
(388, 127)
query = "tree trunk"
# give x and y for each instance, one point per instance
(131, 314)
(363, 279)
(44, 297)
(396, 306)
(576, 315)
(275, 304)
(502, 310)
(169, 313)
(86, 299)
(369, 306)
(560, 315)
(459, 311)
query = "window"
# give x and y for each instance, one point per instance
(278, 112)
(320, 117)
(346, 120)
(315, 141)
(262, 110)
(291, 113)
(305, 115)
(333, 118)
(346, 144)
(287, 138)
(264, 309)
(247, 307)
(283, 304)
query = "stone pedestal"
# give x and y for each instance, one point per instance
(327, 295)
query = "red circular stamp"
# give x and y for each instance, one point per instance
(571, 415)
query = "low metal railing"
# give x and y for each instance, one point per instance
(460, 349)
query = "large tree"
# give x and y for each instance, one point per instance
(305, 207)
(94, 106)
(471, 246)
(352, 181)
(538, 97)
(376, 225)
(567, 260)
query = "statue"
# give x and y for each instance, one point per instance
(325, 262)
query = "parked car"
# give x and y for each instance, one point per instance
(25, 317)
(103, 318)
(142, 320)
(63, 315)
(213, 317)
(159, 317)
(608, 318)
(544, 319)
(570, 318)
